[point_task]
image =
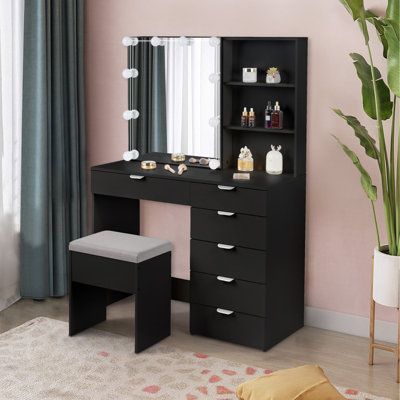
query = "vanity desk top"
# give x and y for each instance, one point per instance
(259, 180)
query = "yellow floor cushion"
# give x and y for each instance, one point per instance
(303, 383)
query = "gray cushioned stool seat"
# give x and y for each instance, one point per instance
(121, 246)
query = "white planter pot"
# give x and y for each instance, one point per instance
(386, 281)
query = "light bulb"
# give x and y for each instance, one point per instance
(214, 121)
(130, 41)
(155, 41)
(214, 164)
(130, 155)
(214, 78)
(130, 73)
(130, 114)
(183, 41)
(214, 41)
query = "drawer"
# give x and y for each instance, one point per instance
(238, 328)
(221, 259)
(229, 293)
(140, 187)
(229, 228)
(230, 198)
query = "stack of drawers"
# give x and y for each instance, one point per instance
(228, 294)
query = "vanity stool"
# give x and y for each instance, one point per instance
(115, 261)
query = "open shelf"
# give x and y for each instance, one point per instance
(260, 84)
(259, 129)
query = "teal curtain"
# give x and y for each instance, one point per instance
(53, 192)
(147, 93)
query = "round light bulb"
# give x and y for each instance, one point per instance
(214, 78)
(155, 41)
(214, 164)
(183, 41)
(214, 121)
(214, 41)
(130, 155)
(130, 114)
(130, 41)
(130, 73)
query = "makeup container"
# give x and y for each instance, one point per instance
(245, 160)
(148, 164)
(178, 157)
(249, 75)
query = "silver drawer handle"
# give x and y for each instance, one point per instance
(226, 213)
(225, 246)
(222, 187)
(225, 279)
(136, 177)
(224, 312)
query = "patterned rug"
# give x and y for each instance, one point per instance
(39, 361)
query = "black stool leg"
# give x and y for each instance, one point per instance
(153, 301)
(87, 306)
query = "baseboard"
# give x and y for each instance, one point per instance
(350, 324)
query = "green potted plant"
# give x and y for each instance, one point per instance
(380, 101)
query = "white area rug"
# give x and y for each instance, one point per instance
(38, 361)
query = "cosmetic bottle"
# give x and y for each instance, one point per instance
(252, 118)
(245, 160)
(268, 112)
(244, 118)
(277, 117)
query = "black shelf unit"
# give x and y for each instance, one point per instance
(290, 56)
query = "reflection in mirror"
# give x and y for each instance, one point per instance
(177, 93)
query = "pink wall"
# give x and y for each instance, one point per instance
(340, 235)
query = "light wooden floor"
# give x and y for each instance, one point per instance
(343, 357)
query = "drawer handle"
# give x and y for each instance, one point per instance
(224, 312)
(222, 187)
(137, 177)
(225, 246)
(225, 279)
(226, 213)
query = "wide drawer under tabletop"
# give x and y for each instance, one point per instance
(140, 187)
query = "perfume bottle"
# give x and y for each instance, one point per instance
(245, 160)
(268, 112)
(277, 117)
(252, 119)
(244, 118)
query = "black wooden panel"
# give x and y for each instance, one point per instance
(238, 328)
(115, 214)
(156, 189)
(153, 301)
(246, 201)
(103, 272)
(240, 296)
(239, 229)
(240, 262)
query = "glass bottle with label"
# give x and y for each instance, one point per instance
(268, 112)
(277, 117)
(252, 118)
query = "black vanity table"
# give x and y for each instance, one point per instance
(247, 237)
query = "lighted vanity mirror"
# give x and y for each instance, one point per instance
(174, 84)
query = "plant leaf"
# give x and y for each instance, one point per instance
(365, 75)
(366, 181)
(379, 25)
(361, 132)
(393, 10)
(357, 11)
(392, 36)
(355, 8)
